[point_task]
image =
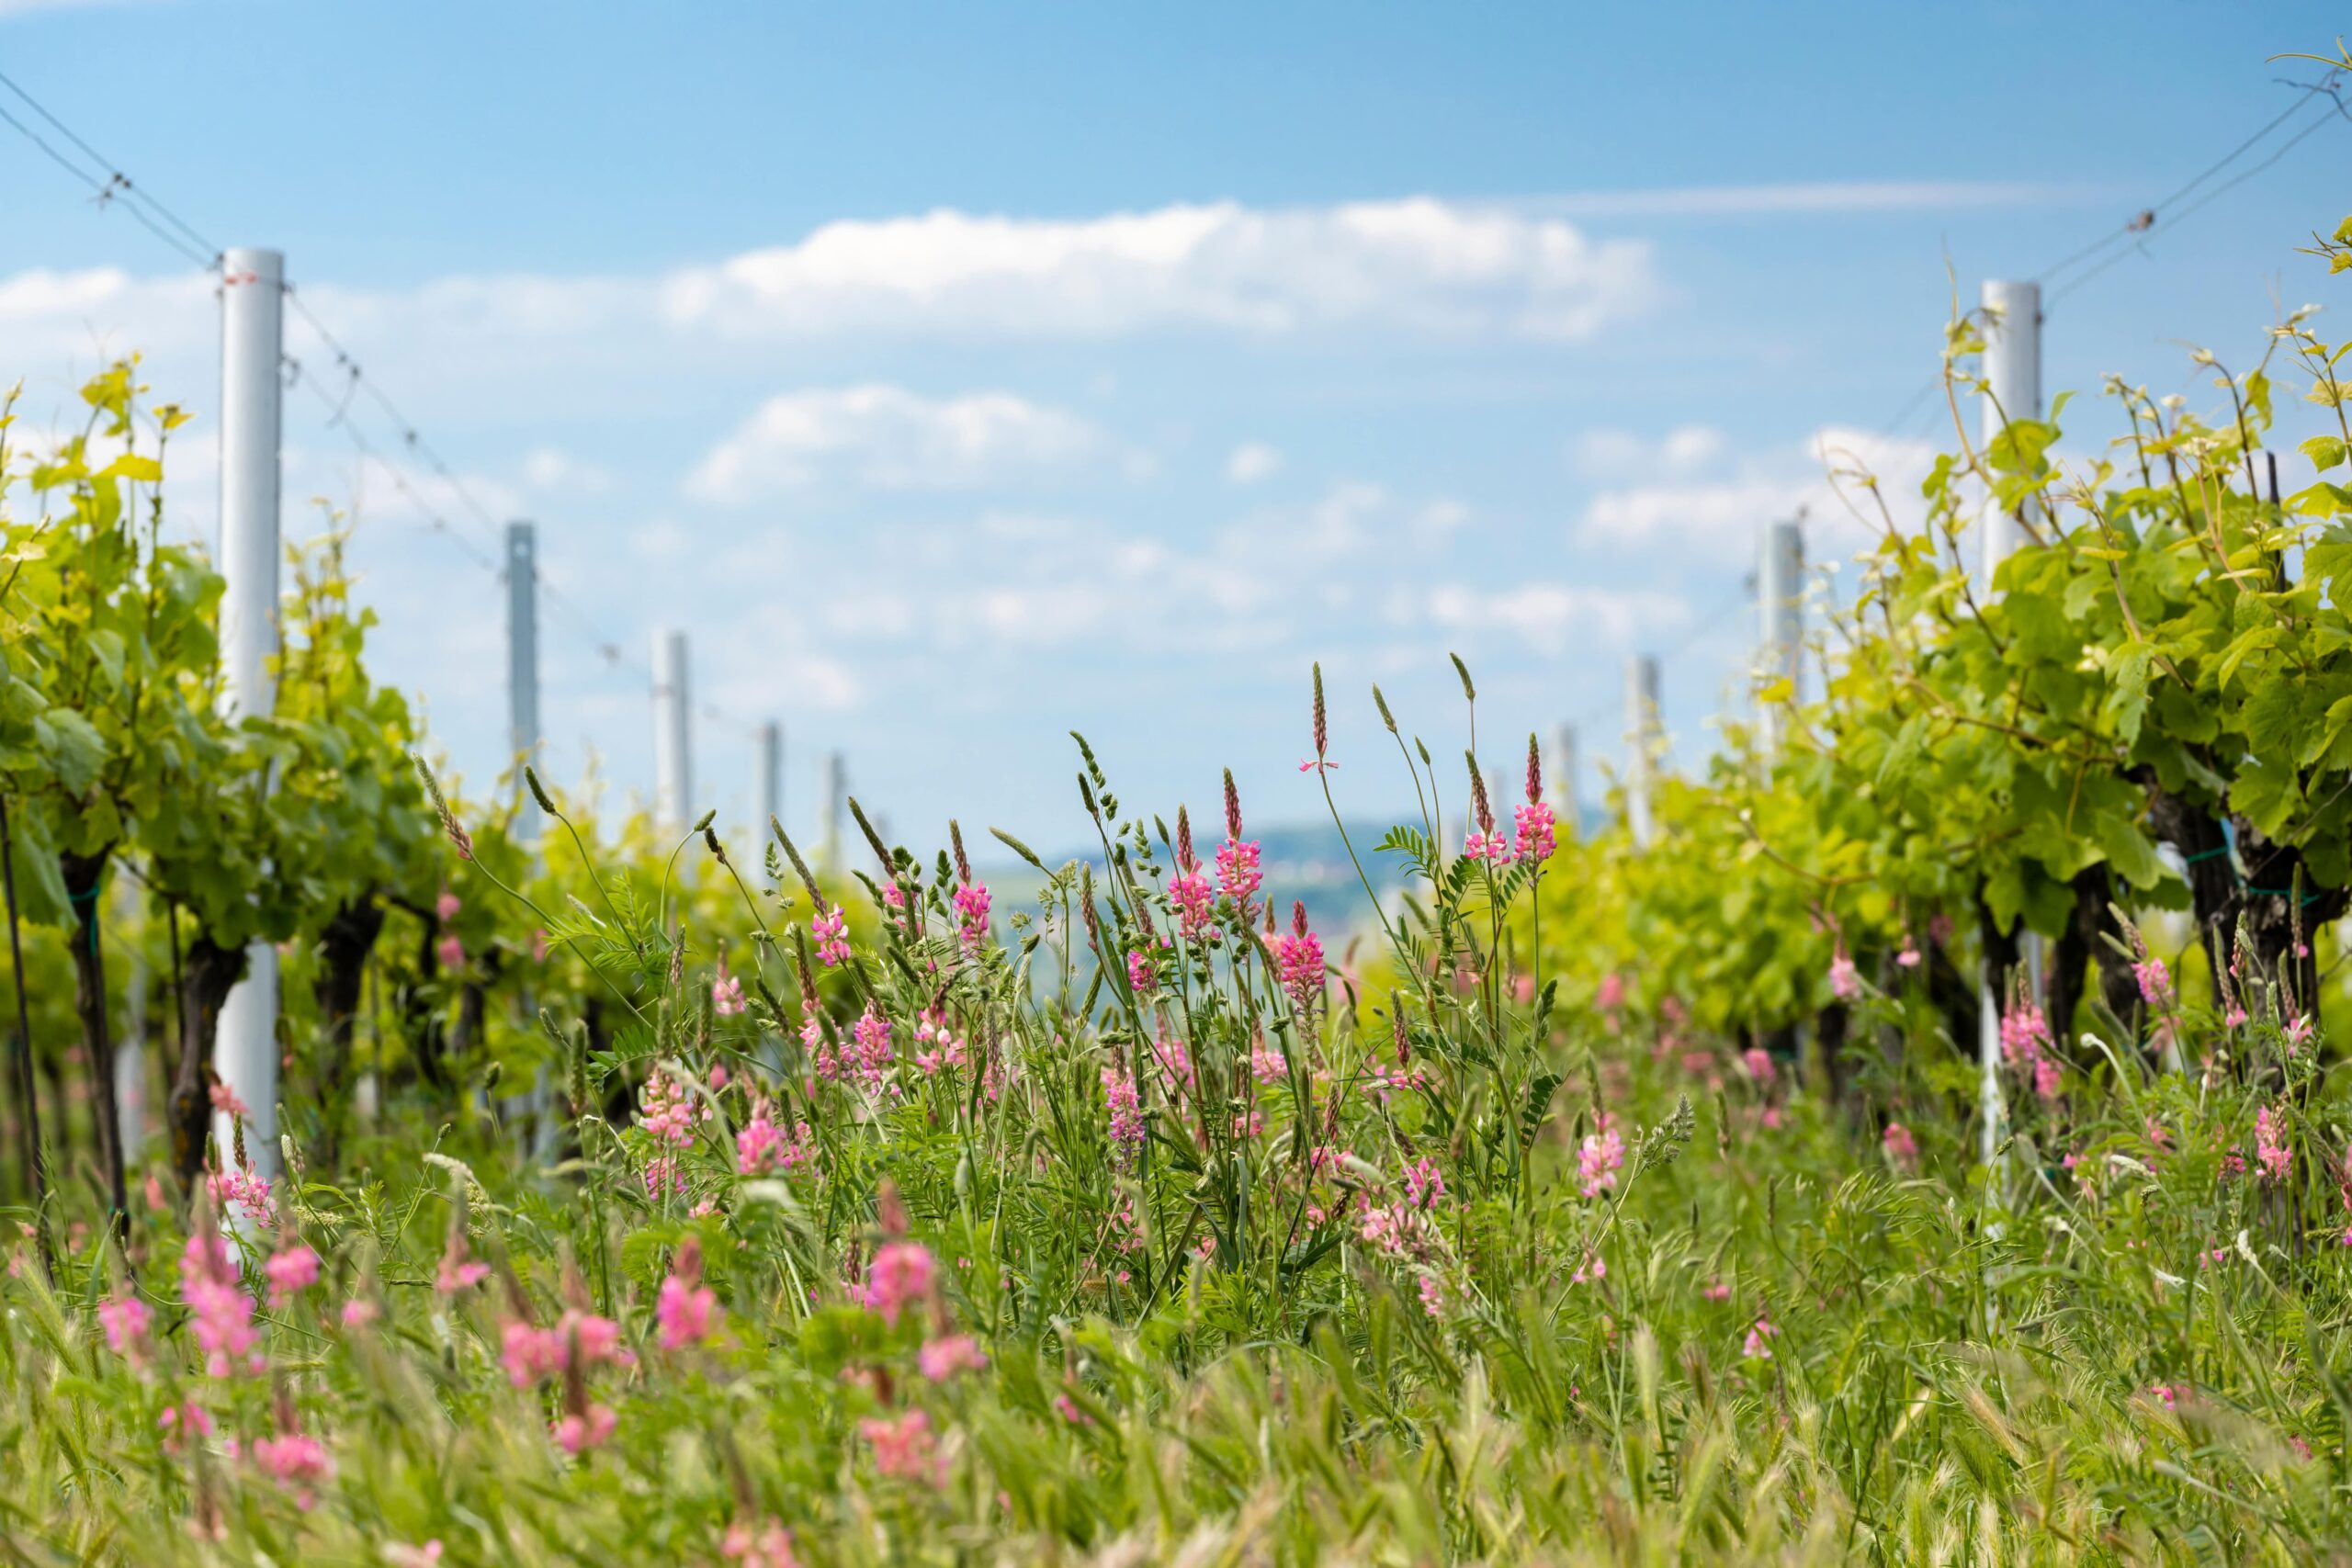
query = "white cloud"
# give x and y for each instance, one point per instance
(84, 317)
(1252, 462)
(1419, 263)
(1700, 494)
(885, 438)
(27, 7)
(548, 471)
(1809, 197)
(1619, 455)
(1548, 617)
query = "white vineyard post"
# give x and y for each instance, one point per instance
(673, 760)
(131, 1051)
(2012, 391)
(828, 838)
(522, 671)
(1566, 805)
(538, 1106)
(1780, 593)
(252, 347)
(767, 797)
(1644, 737)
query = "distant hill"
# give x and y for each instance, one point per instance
(1307, 864)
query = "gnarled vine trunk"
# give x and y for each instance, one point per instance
(2090, 947)
(344, 946)
(2204, 847)
(1953, 996)
(208, 973)
(2001, 957)
(420, 1017)
(2280, 910)
(85, 876)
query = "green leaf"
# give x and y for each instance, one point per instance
(74, 748)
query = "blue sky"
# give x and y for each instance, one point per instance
(962, 376)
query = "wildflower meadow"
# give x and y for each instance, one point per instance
(1596, 1196)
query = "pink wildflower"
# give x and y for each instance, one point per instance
(1908, 958)
(294, 1460)
(125, 1319)
(2166, 1393)
(1432, 1291)
(451, 951)
(2270, 1145)
(1238, 876)
(360, 1312)
(530, 1353)
(2025, 1035)
(686, 1305)
(2155, 982)
(831, 928)
(246, 1188)
(223, 1315)
(1398, 1231)
(945, 1047)
(1489, 846)
(761, 1147)
(1299, 960)
(902, 1449)
(1758, 1063)
(292, 1270)
(1610, 995)
(1266, 1064)
(1424, 1185)
(1900, 1145)
(1845, 981)
(727, 994)
(942, 1358)
(1534, 835)
(1189, 891)
(1598, 1158)
(458, 1270)
(225, 1100)
(877, 1053)
(900, 1275)
(768, 1547)
(592, 1429)
(1126, 1107)
(180, 1422)
(1756, 1348)
(1068, 1410)
(666, 1110)
(446, 907)
(971, 901)
(1594, 1266)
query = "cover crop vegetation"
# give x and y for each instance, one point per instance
(675, 1202)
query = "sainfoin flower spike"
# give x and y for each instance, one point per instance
(727, 993)
(902, 1449)
(222, 1315)
(1299, 960)
(900, 1275)
(829, 925)
(686, 1306)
